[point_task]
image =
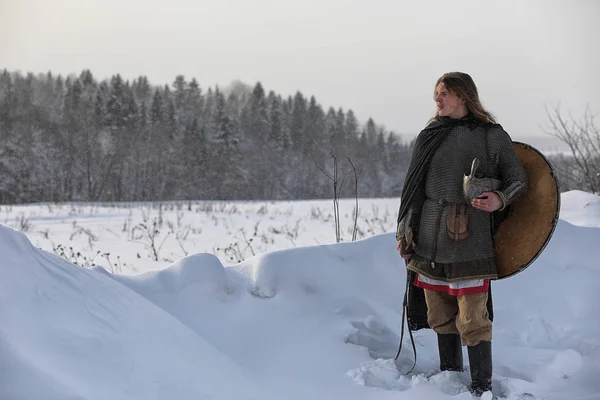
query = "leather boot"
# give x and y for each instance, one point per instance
(451, 358)
(480, 359)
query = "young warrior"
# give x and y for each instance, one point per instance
(446, 236)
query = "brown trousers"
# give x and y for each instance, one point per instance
(466, 315)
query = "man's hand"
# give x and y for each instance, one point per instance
(406, 255)
(487, 201)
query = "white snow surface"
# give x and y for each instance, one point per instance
(316, 321)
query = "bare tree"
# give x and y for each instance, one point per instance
(581, 168)
(337, 189)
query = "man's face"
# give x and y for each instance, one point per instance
(448, 103)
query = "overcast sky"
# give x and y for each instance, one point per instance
(378, 58)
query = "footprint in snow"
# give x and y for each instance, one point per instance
(375, 336)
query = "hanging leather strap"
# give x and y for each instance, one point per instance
(405, 318)
(442, 204)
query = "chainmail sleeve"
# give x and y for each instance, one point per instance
(509, 166)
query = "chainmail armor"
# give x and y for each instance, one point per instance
(451, 161)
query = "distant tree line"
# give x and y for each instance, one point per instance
(80, 139)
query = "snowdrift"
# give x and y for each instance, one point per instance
(316, 322)
(71, 333)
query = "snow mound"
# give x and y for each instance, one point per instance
(71, 333)
(200, 272)
(343, 268)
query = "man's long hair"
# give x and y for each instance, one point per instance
(462, 84)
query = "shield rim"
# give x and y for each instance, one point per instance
(556, 216)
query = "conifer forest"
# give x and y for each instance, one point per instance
(78, 138)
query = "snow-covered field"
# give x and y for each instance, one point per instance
(213, 300)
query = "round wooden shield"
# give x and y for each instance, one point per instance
(531, 220)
